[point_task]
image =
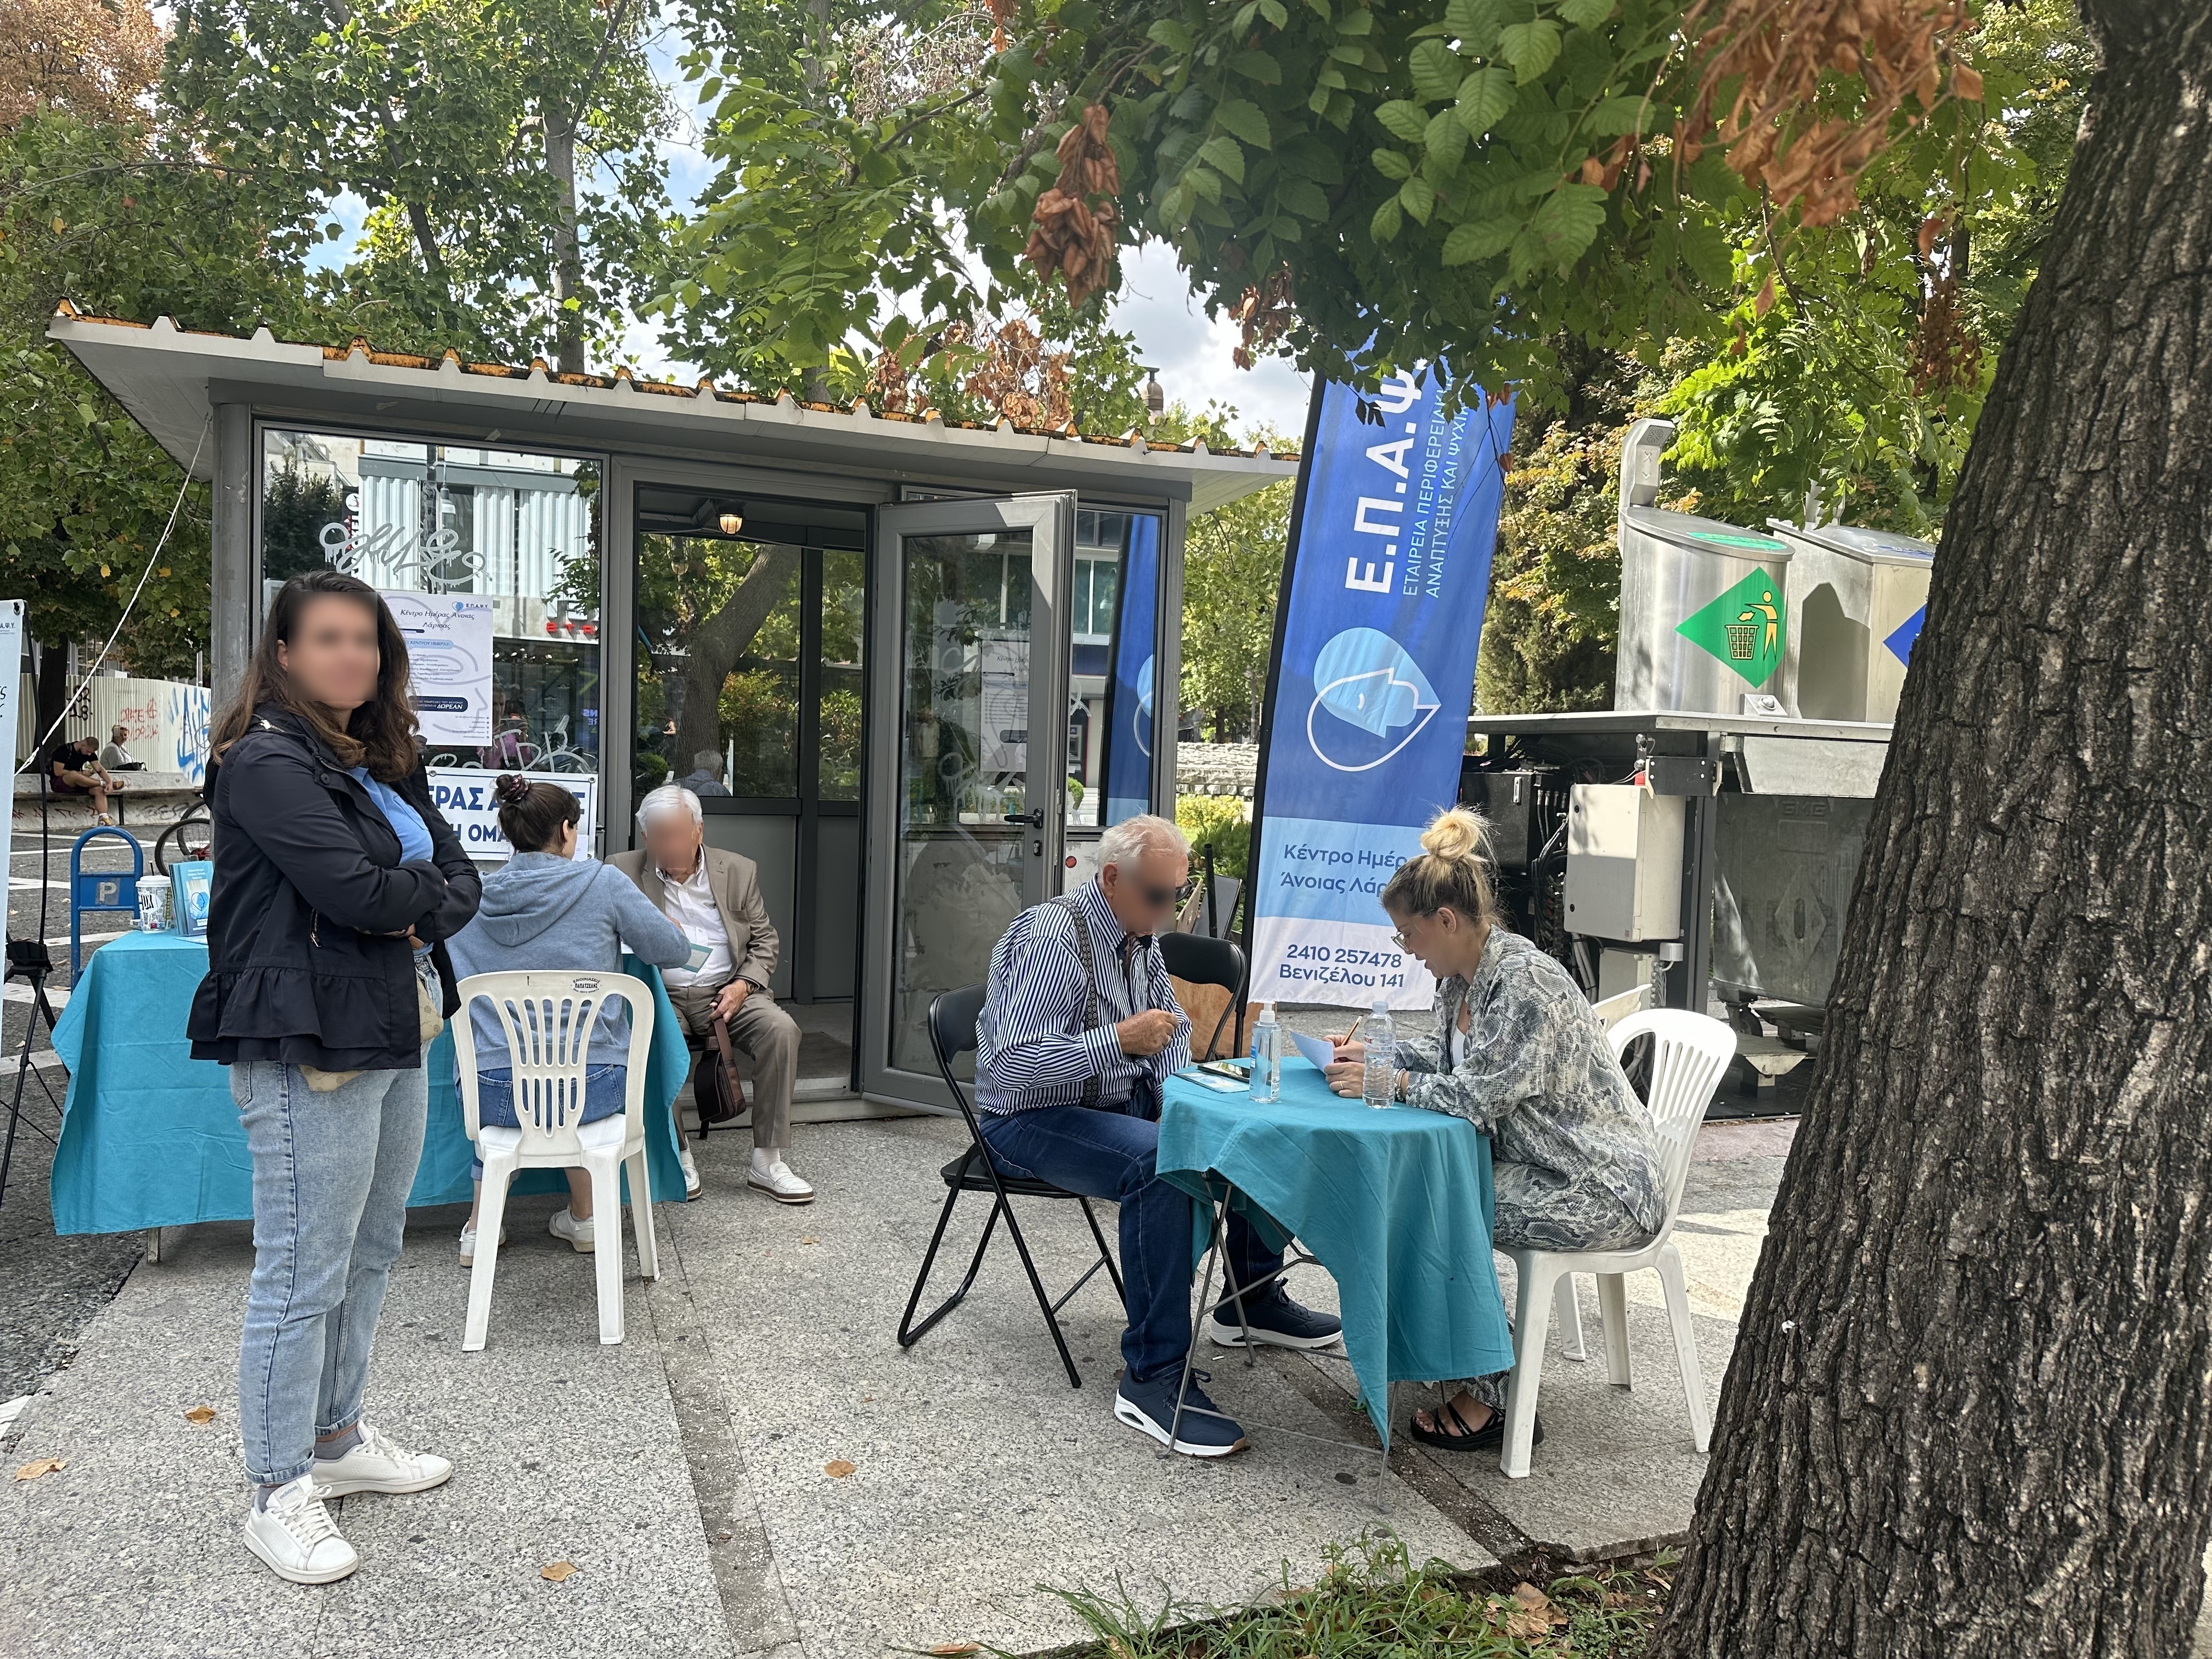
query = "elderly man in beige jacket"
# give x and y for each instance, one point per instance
(714, 895)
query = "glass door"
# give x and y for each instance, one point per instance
(969, 789)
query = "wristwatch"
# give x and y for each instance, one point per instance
(1399, 1085)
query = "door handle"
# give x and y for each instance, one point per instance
(1036, 819)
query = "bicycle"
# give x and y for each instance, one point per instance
(190, 838)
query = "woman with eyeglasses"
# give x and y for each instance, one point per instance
(1518, 1053)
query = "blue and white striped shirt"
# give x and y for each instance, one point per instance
(1031, 1048)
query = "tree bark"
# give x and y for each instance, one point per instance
(715, 644)
(568, 255)
(1968, 1410)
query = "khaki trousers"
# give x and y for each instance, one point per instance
(762, 1031)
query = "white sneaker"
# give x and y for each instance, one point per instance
(295, 1535)
(469, 1242)
(582, 1235)
(374, 1464)
(691, 1173)
(776, 1179)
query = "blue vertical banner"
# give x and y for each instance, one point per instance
(1385, 582)
(1129, 762)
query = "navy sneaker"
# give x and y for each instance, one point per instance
(1150, 1408)
(1274, 1321)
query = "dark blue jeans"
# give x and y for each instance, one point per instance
(1108, 1152)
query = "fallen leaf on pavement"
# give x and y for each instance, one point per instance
(558, 1570)
(950, 1648)
(839, 1469)
(200, 1414)
(43, 1465)
(810, 1241)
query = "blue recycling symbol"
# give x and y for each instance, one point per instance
(1365, 680)
(1900, 642)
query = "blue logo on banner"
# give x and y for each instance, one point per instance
(1129, 699)
(1367, 680)
(1901, 642)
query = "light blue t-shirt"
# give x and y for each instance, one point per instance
(406, 823)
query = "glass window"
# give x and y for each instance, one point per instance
(718, 688)
(490, 559)
(843, 611)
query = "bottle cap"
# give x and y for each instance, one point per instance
(1381, 1005)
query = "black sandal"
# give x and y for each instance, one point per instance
(1489, 1437)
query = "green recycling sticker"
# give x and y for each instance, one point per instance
(1742, 628)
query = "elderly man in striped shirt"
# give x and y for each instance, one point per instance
(1080, 1027)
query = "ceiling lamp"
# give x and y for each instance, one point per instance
(732, 523)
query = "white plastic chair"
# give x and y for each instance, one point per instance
(1691, 1052)
(547, 1017)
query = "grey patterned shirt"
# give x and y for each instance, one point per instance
(1538, 1076)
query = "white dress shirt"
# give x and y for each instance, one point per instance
(691, 905)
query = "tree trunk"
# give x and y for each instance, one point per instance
(1968, 1410)
(568, 255)
(714, 646)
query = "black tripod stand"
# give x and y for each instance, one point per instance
(29, 960)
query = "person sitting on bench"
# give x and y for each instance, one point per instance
(1080, 1028)
(75, 767)
(114, 756)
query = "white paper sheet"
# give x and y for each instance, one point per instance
(1319, 1050)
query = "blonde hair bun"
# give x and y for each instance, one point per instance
(1455, 834)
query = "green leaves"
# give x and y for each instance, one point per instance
(1531, 47)
(1562, 229)
(1435, 71)
(1468, 243)
(1477, 23)
(1484, 98)
(1391, 164)
(1243, 118)
(1223, 154)
(1404, 119)
(1586, 14)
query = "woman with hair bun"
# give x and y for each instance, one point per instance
(547, 907)
(1517, 1053)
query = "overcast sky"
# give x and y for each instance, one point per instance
(1191, 354)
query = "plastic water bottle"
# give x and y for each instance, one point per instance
(1266, 1056)
(1381, 1069)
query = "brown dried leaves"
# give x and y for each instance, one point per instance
(1767, 58)
(1076, 220)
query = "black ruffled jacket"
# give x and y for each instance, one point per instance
(309, 891)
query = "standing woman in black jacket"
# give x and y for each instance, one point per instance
(335, 882)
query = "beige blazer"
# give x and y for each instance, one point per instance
(734, 880)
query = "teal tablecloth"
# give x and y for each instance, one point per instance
(150, 1137)
(1397, 1205)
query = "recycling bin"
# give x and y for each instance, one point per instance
(1705, 616)
(1856, 600)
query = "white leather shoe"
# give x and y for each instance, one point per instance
(293, 1533)
(582, 1235)
(691, 1173)
(469, 1243)
(375, 1464)
(777, 1181)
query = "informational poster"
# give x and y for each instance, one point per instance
(449, 662)
(1383, 586)
(1129, 699)
(464, 794)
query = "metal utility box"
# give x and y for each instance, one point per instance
(1781, 891)
(1703, 615)
(1624, 862)
(1855, 604)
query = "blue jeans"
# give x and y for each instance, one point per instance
(332, 1172)
(1108, 1151)
(606, 1089)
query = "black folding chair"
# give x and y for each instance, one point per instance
(952, 1033)
(1204, 961)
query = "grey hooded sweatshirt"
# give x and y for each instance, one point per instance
(541, 910)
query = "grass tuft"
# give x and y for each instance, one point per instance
(1370, 1601)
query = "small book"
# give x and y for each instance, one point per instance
(190, 884)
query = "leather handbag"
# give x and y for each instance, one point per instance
(714, 1086)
